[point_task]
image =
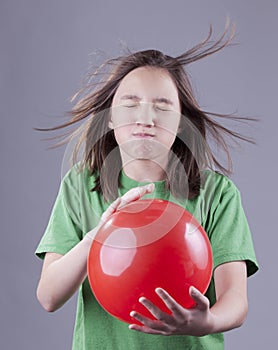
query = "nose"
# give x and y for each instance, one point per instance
(146, 116)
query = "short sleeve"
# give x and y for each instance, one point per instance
(229, 231)
(63, 231)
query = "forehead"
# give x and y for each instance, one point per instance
(150, 81)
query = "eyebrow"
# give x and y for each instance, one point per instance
(131, 97)
(163, 100)
(155, 100)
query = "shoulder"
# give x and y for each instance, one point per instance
(79, 198)
(78, 176)
(218, 183)
(76, 184)
(218, 189)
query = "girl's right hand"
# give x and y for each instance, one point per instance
(62, 275)
(130, 196)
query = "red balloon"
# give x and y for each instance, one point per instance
(147, 244)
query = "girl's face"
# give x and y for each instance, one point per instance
(145, 113)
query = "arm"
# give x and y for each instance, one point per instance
(227, 313)
(63, 274)
(231, 292)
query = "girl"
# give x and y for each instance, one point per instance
(147, 136)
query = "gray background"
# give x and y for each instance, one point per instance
(44, 53)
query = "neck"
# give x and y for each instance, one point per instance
(142, 170)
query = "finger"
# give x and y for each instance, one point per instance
(131, 195)
(202, 302)
(91, 234)
(111, 209)
(154, 310)
(137, 192)
(134, 194)
(145, 329)
(170, 302)
(147, 323)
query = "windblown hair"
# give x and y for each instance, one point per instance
(191, 152)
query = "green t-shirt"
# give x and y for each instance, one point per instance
(77, 210)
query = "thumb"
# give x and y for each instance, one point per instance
(202, 302)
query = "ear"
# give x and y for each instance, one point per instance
(110, 124)
(180, 129)
(109, 117)
(181, 125)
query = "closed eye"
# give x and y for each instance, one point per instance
(163, 109)
(130, 106)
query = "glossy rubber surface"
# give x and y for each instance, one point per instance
(148, 244)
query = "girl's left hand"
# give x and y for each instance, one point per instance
(198, 321)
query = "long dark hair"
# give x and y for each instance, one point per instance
(191, 152)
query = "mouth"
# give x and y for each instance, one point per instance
(143, 135)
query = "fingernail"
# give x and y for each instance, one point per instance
(159, 291)
(132, 313)
(193, 290)
(150, 187)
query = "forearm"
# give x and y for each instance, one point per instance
(63, 276)
(229, 311)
